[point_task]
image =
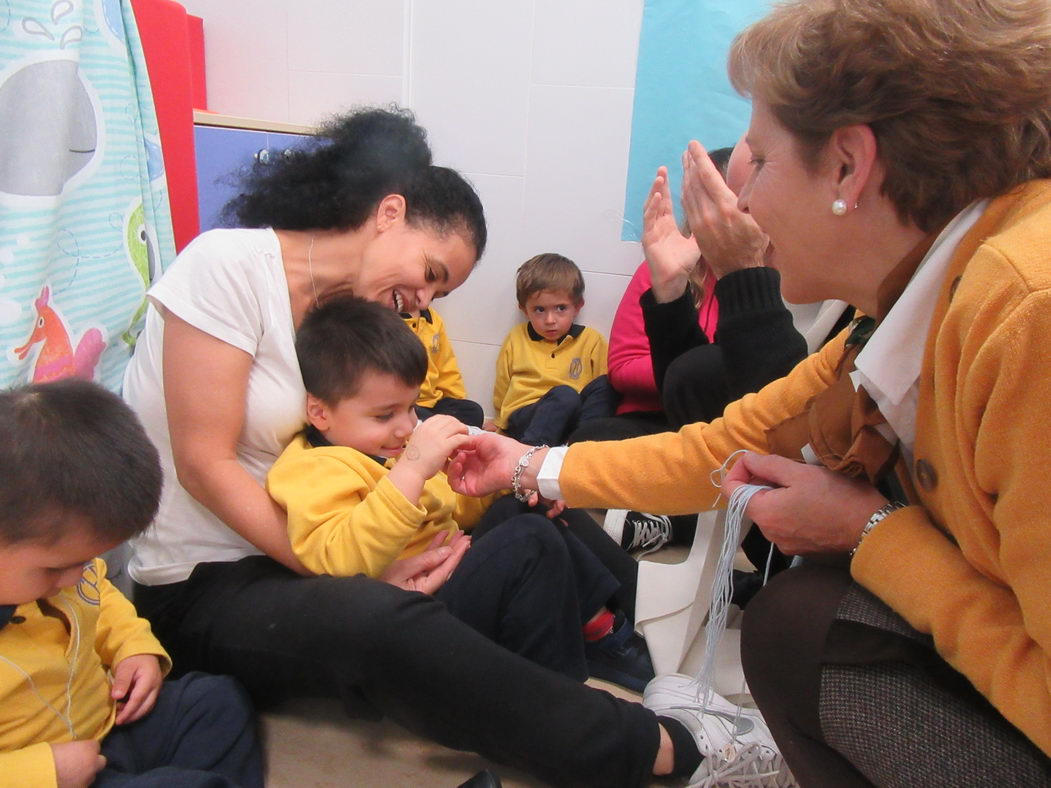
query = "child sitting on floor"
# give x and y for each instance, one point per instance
(78, 666)
(551, 372)
(528, 584)
(442, 391)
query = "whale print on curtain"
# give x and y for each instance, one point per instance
(85, 225)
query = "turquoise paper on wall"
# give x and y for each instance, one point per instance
(682, 91)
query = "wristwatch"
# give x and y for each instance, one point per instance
(875, 520)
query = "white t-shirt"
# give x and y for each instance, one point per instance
(230, 284)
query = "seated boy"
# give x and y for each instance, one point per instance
(79, 477)
(551, 372)
(528, 584)
(442, 390)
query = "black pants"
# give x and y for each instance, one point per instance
(401, 654)
(561, 410)
(200, 734)
(856, 697)
(523, 588)
(596, 558)
(466, 410)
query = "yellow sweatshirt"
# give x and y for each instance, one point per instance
(971, 565)
(39, 657)
(529, 366)
(443, 374)
(346, 517)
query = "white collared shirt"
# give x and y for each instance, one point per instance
(889, 365)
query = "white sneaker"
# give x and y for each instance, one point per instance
(637, 531)
(737, 747)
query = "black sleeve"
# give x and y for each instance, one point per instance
(755, 331)
(671, 329)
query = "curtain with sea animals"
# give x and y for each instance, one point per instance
(85, 225)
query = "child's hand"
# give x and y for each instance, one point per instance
(136, 682)
(433, 443)
(554, 508)
(77, 763)
(490, 426)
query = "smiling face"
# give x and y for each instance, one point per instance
(37, 570)
(378, 419)
(405, 267)
(551, 313)
(792, 205)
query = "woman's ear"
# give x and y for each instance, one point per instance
(317, 413)
(390, 212)
(852, 150)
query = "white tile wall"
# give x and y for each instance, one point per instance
(530, 99)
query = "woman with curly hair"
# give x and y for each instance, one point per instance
(216, 382)
(901, 155)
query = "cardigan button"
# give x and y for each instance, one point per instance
(926, 475)
(952, 287)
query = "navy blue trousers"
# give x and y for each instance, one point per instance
(552, 418)
(200, 734)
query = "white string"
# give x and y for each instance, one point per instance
(723, 587)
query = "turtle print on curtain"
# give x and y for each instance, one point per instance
(85, 225)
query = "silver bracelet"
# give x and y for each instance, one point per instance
(877, 517)
(516, 477)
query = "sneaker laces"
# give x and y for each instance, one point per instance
(745, 766)
(650, 532)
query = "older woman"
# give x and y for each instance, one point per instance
(898, 147)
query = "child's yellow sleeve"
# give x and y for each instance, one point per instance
(340, 522)
(502, 382)
(33, 765)
(120, 632)
(449, 382)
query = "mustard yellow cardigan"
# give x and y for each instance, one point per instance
(971, 565)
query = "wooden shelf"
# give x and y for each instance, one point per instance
(202, 118)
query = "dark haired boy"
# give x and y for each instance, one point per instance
(551, 372)
(363, 487)
(80, 673)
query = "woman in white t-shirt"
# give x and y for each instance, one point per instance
(217, 385)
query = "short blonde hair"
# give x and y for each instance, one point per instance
(549, 271)
(957, 92)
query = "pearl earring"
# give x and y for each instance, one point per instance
(839, 207)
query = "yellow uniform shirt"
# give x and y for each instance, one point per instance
(346, 517)
(529, 366)
(70, 641)
(443, 373)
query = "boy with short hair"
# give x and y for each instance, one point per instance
(528, 584)
(442, 391)
(78, 476)
(551, 372)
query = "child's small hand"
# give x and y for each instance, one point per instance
(136, 682)
(490, 426)
(77, 763)
(554, 508)
(433, 443)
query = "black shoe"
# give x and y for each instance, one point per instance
(744, 586)
(485, 779)
(637, 532)
(620, 657)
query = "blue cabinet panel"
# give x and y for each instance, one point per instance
(221, 152)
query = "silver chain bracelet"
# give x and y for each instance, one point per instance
(516, 477)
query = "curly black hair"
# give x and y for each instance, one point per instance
(356, 160)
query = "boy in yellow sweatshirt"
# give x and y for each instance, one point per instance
(363, 487)
(82, 696)
(442, 390)
(551, 371)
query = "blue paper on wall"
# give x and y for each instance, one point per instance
(682, 91)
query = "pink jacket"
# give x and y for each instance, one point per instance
(630, 365)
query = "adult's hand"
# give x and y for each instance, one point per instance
(670, 255)
(811, 509)
(728, 239)
(428, 571)
(485, 462)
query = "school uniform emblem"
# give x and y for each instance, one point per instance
(435, 341)
(576, 366)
